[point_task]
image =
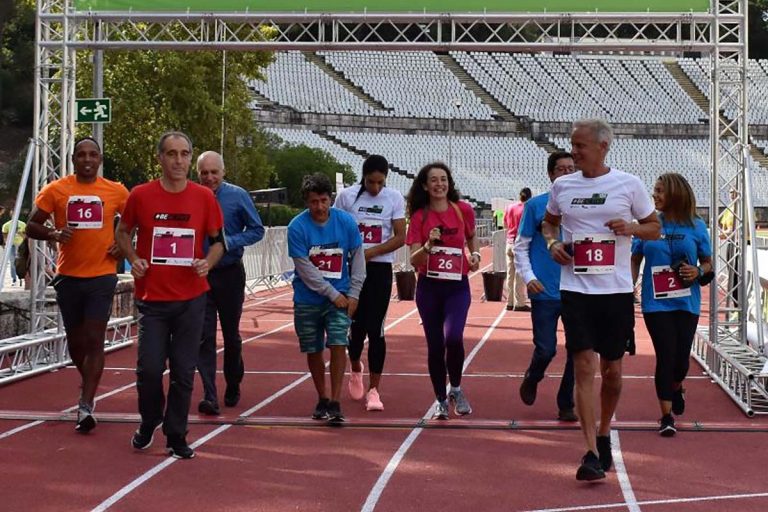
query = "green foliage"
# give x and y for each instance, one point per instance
(293, 162)
(277, 214)
(17, 37)
(156, 91)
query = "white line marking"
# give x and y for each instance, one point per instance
(216, 432)
(656, 502)
(249, 305)
(621, 473)
(22, 428)
(394, 462)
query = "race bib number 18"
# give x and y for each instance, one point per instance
(327, 261)
(667, 283)
(446, 263)
(594, 254)
(173, 246)
(85, 212)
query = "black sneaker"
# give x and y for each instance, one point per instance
(85, 419)
(667, 426)
(177, 447)
(232, 395)
(678, 401)
(528, 390)
(604, 449)
(567, 415)
(142, 438)
(321, 410)
(590, 468)
(208, 408)
(334, 413)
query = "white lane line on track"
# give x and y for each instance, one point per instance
(22, 428)
(248, 305)
(120, 494)
(670, 501)
(621, 473)
(394, 462)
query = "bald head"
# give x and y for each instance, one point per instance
(210, 168)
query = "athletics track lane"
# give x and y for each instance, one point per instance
(305, 468)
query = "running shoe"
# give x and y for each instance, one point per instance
(85, 419)
(177, 447)
(321, 410)
(667, 426)
(528, 390)
(356, 390)
(604, 450)
(142, 438)
(208, 408)
(232, 395)
(678, 401)
(567, 415)
(441, 411)
(590, 468)
(460, 403)
(373, 401)
(335, 417)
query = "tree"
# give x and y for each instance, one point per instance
(293, 162)
(17, 37)
(156, 91)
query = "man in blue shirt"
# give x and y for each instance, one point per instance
(242, 227)
(542, 277)
(329, 257)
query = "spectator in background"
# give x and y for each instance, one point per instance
(13, 245)
(516, 292)
(498, 216)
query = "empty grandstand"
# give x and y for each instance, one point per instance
(417, 107)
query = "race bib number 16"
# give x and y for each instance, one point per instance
(85, 212)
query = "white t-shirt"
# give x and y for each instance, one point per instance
(585, 205)
(373, 214)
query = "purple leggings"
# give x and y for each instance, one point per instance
(443, 307)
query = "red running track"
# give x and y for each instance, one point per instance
(266, 455)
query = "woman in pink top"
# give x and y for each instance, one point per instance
(440, 228)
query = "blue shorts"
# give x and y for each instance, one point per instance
(312, 323)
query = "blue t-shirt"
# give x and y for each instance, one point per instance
(544, 267)
(677, 241)
(304, 234)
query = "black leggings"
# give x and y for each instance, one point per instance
(369, 319)
(672, 335)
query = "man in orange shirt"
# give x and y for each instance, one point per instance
(83, 207)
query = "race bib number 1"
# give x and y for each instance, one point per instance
(327, 261)
(667, 283)
(85, 212)
(594, 254)
(173, 246)
(446, 263)
(371, 231)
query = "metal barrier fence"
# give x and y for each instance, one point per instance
(267, 263)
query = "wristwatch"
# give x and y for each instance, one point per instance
(477, 254)
(551, 243)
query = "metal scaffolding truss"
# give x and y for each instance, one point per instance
(720, 33)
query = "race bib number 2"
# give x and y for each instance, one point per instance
(446, 263)
(327, 261)
(667, 283)
(85, 212)
(594, 254)
(173, 246)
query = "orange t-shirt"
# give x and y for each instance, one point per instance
(85, 255)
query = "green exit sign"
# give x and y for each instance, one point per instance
(93, 110)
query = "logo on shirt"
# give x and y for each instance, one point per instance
(173, 216)
(377, 210)
(595, 200)
(448, 231)
(331, 245)
(672, 236)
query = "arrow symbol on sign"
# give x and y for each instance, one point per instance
(85, 111)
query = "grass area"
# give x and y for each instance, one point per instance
(400, 6)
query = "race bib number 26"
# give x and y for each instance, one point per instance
(446, 263)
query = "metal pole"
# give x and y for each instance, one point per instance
(17, 208)
(223, 96)
(98, 88)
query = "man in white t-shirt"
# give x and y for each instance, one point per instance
(596, 208)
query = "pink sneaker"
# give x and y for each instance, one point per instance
(373, 401)
(356, 390)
